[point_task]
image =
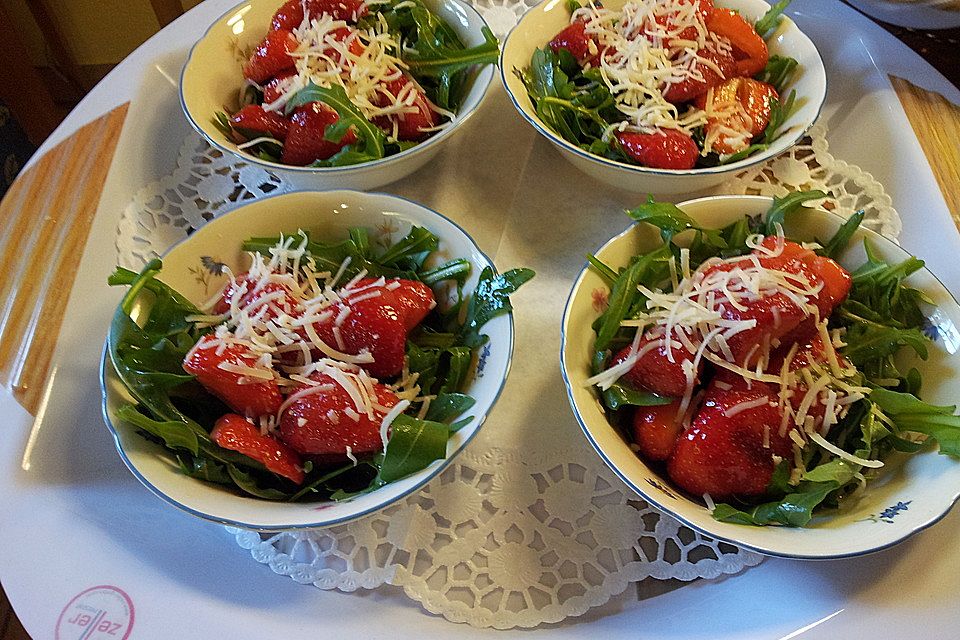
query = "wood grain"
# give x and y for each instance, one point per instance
(936, 123)
(44, 222)
(166, 10)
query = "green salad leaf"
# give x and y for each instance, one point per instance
(770, 20)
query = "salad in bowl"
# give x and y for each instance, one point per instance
(777, 368)
(324, 89)
(664, 95)
(319, 367)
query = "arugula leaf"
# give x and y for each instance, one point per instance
(174, 434)
(671, 219)
(780, 112)
(413, 445)
(578, 113)
(619, 395)
(835, 246)
(911, 414)
(313, 485)
(771, 19)
(458, 270)
(491, 298)
(867, 343)
(605, 272)
(204, 468)
(222, 122)
(411, 250)
(624, 296)
(788, 204)
(370, 139)
(794, 510)
(442, 59)
(147, 359)
(743, 153)
(245, 481)
(836, 470)
(448, 405)
(779, 72)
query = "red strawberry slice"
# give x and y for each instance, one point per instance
(271, 91)
(574, 39)
(271, 56)
(413, 124)
(238, 434)
(253, 121)
(373, 324)
(290, 15)
(654, 370)
(348, 10)
(250, 396)
(663, 149)
(723, 453)
(320, 425)
(249, 300)
(656, 429)
(306, 141)
(413, 299)
(690, 88)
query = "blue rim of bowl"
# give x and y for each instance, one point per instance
(565, 145)
(642, 492)
(442, 464)
(332, 171)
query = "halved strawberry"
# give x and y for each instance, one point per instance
(251, 396)
(729, 448)
(271, 90)
(411, 125)
(271, 56)
(306, 141)
(690, 88)
(656, 429)
(290, 15)
(275, 305)
(654, 370)
(320, 425)
(373, 324)
(574, 39)
(238, 434)
(750, 48)
(253, 121)
(413, 299)
(663, 149)
(754, 98)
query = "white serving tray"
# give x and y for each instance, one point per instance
(73, 518)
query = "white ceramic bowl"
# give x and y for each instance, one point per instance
(326, 215)
(545, 20)
(927, 484)
(212, 77)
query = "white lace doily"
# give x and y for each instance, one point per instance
(509, 535)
